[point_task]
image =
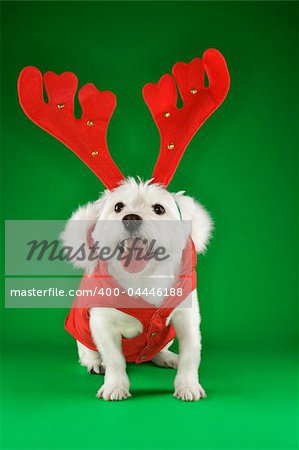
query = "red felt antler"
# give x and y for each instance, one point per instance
(85, 136)
(178, 126)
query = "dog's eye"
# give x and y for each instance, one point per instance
(119, 207)
(159, 209)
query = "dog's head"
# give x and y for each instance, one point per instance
(138, 218)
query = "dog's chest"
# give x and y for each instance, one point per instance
(122, 323)
(153, 289)
(118, 322)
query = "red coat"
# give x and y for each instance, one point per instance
(156, 334)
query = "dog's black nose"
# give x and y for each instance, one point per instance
(132, 222)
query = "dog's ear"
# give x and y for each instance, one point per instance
(78, 231)
(202, 223)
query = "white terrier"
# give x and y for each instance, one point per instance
(148, 203)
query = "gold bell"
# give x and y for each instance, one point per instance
(167, 114)
(89, 123)
(60, 106)
(170, 146)
(193, 91)
(95, 153)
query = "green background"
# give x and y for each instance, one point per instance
(242, 165)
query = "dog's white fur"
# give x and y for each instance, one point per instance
(108, 325)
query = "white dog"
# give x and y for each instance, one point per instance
(135, 208)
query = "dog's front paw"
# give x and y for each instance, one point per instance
(96, 368)
(190, 393)
(111, 392)
(91, 360)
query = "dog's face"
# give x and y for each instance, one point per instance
(140, 217)
(143, 221)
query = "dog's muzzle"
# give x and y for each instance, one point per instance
(132, 222)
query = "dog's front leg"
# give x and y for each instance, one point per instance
(186, 321)
(107, 338)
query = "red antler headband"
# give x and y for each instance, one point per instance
(87, 136)
(178, 126)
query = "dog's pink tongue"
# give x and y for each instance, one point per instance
(134, 259)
